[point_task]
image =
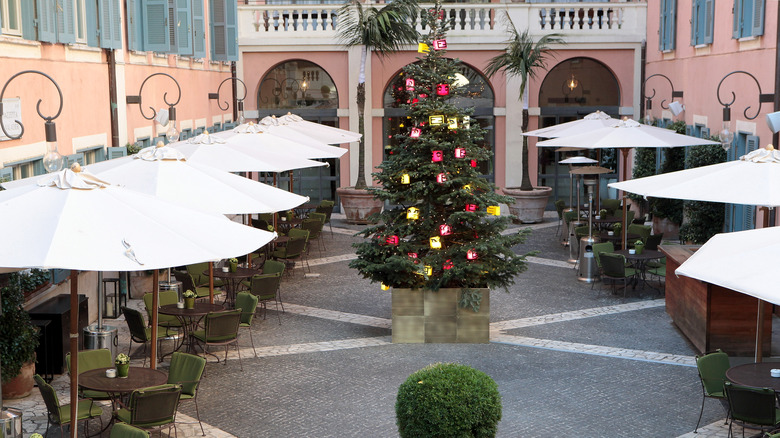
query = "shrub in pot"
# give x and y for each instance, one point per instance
(448, 400)
(18, 337)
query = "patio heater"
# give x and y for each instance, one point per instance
(573, 246)
(588, 268)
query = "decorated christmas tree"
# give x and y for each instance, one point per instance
(443, 227)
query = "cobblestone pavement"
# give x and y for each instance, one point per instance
(570, 360)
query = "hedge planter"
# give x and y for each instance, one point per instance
(358, 204)
(22, 385)
(424, 316)
(529, 205)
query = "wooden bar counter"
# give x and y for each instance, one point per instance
(711, 316)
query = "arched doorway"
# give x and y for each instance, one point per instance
(478, 95)
(306, 89)
(571, 90)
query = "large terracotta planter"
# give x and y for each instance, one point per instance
(358, 204)
(21, 385)
(529, 205)
(424, 316)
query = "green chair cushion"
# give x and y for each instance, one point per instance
(201, 335)
(123, 430)
(186, 370)
(85, 409)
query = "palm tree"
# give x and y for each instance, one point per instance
(523, 57)
(383, 31)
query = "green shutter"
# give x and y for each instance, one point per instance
(751, 143)
(231, 30)
(117, 152)
(183, 27)
(59, 275)
(757, 18)
(66, 21)
(47, 20)
(689, 130)
(155, 22)
(218, 33)
(198, 30)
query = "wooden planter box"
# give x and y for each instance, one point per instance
(423, 316)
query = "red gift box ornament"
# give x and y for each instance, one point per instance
(409, 84)
(439, 44)
(471, 207)
(412, 255)
(415, 133)
(448, 264)
(437, 156)
(440, 178)
(443, 89)
(445, 230)
(472, 254)
(392, 240)
(473, 163)
(460, 152)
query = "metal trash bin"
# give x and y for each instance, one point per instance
(171, 285)
(588, 270)
(10, 423)
(101, 337)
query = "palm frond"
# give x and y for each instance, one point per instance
(384, 30)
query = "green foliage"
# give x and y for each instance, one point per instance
(396, 252)
(132, 148)
(703, 219)
(35, 278)
(672, 209)
(448, 400)
(644, 165)
(18, 337)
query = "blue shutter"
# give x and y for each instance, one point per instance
(695, 22)
(28, 20)
(47, 20)
(737, 12)
(751, 143)
(672, 43)
(757, 18)
(183, 27)
(117, 152)
(231, 30)
(38, 168)
(66, 21)
(110, 24)
(688, 129)
(59, 275)
(217, 20)
(6, 174)
(155, 22)
(705, 133)
(91, 11)
(667, 32)
(75, 158)
(709, 21)
(100, 155)
(134, 25)
(198, 30)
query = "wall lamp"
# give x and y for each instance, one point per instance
(171, 134)
(675, 107)
(239, 102)
(726, 135)
(52, 160)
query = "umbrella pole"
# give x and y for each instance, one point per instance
(624, 152)
(74, 348)
(759, 331)
(211, 282)
(155, 319)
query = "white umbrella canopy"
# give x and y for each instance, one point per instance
(754, 179)
(592, 121)
(215, 151)
(262, 138)
(578, 160)
(292, 123)
(163, 171)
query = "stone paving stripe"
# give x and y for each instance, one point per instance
(333, 259)
(549, 262)
(313, 347)
(338, 316)
(576, 314)
(596, 350)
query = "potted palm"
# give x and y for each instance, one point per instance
(523, 57)
(383, 31)
(18, 340)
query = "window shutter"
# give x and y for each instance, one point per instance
(705, 132)
(110, 24)
(672, 24)
(662, 22)
(709, 21)
(91, 9)
(6, 174)
(757, 18)
(28, 20)
(38, 168)
(66, 21)
(59, 275)
(47, 20)
(748, 217)
(155, 22)
(117, 152)
(231, 30)
(100, 155)
(217, 20)
(172, 26)
(695, 22)
(751, 143)
(134, 25)
(689, 130)
(198, 30)
(737, 11)
(183, 26)
(75, 158)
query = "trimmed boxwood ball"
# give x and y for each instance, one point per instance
(448, 400)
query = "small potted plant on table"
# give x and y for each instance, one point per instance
(122, 363)
(189, 299)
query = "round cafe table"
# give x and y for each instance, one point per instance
(137, 377)
(754, 374)
(189, 319)
(232, 280)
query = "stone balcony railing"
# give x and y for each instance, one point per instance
(290, 24)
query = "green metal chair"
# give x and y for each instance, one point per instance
(151, 408)
(221, 328)
(200, 274)
(295, 249)
(752, 408)
(187, 370)
(326, 207)
(90, 360)
(611, 205)
(165, 297)
(141, 333)
(712, 369)
(314, 227)
(59, 415)
(598, 249)
(614, 268)
(642, 230)
(265, 287)
(188, 283)
(124, 430)
(247, 302)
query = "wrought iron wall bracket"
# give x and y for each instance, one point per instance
(649, 98)
(239, 102)
(762, 98)
(50, 130)
(131, 100)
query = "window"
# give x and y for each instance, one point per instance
(748, 18)
(167, 26)
(702, 22)
(92, 22)
(94, 154)
(667, 33)
(10, 17)
(224, 31)
(23, 168)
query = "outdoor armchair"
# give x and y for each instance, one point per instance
(188, 283)
(140, 332)
(89, 360)
(295, 248)
(326, 207)
(200, 274)
(59, 415)
(614, 269)
(221, 328)
(314, 227)
(712, 367)
(611, 205)
(187, 370)
(123, 430)
(266, 288)
(598, 249)
(247, 302)
(165, 297)
(151, 407)
(752, 408)
(642, 230)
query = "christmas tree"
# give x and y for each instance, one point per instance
(443, 227)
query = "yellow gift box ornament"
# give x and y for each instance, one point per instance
(435, 242)
(495, 210)
(413, 213)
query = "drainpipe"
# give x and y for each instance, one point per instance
(235, 90)
(112, 95)
(776, 136)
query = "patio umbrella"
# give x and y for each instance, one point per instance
(625, 135)
(76, 221)
(290, 124)
(263, 138)
(592, 121)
